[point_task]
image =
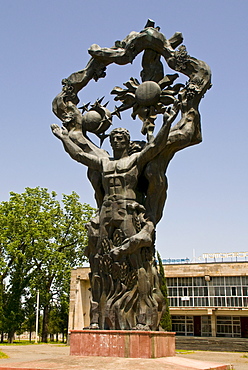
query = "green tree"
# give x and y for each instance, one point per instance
(40, 240)
(30, 314)
(58, 318)
(13, 306)
(15, 263)
(1, 308)
(166, 318)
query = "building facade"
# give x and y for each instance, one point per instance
(209, 299)
(206, 299)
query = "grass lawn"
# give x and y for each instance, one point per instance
(3, 355)
(184, 351)
(27, 342)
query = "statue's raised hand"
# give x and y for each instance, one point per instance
(171, 112)
(59, 132)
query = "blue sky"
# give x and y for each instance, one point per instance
(45, 41)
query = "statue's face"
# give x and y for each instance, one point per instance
(119, 142)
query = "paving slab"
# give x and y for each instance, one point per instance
(239, 360)
(52, 357)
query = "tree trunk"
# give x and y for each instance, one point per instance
(11, 336)
(2, 336)
(57, 337)
(45, 324)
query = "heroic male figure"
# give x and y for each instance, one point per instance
(120, 232)
(120, 176)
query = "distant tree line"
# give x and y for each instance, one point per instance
(41, 240)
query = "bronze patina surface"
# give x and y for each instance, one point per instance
(131, 186)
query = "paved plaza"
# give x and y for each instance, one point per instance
(56, 357)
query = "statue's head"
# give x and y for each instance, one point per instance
(119, 138)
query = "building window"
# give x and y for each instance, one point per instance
(191, 325)
(228, 326)
(183, 325)
(244, 280)
(206, 326)
(220, 291)
(199, 281)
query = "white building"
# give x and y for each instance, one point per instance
(206, 299)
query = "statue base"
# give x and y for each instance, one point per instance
(122, 343)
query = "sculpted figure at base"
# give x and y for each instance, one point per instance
(131, 186)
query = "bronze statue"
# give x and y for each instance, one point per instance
(130, 188)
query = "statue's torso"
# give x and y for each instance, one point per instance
(119, 177)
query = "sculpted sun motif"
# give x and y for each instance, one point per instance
(147, 99)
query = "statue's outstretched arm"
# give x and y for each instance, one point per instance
(185, 133)
(158, 144)
(74, 150)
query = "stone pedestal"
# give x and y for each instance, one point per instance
(122, 343)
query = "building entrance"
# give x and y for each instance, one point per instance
(244, 326)
(197, 326)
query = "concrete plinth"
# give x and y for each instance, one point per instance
(122, 343)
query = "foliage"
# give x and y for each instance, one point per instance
(40, 241)
(58, 318)
(166, 318)
(3, 355)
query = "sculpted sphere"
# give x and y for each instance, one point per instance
(148, 93)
